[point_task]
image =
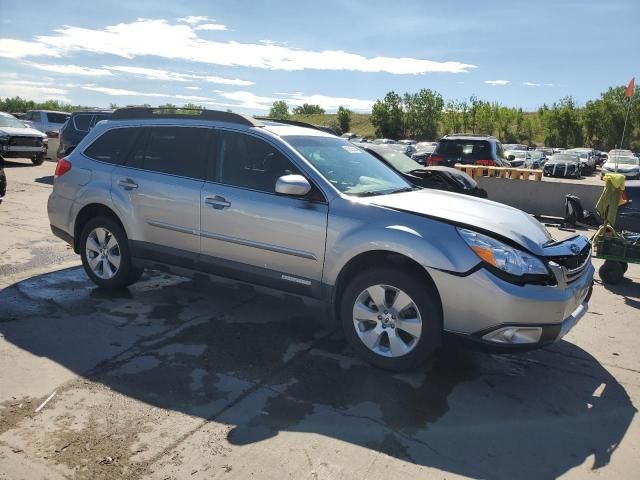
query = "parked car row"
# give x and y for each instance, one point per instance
(400, 267)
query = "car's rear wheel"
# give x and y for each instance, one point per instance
(390, 318)
(106, 258)
(38, 159)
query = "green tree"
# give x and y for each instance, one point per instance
(279, 110)
(387, 116)
(562, 124)
(422, 112)
(344, 118)
(308, 109)
(604, 119)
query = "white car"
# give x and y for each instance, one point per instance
(587, 159)
(626, 165)
(46, 120)
(20, 141)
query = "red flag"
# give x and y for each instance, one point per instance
(629, 91)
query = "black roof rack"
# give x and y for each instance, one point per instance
(288, 122)
(480, 135)
(130, 113)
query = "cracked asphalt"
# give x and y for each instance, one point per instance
(205, 378)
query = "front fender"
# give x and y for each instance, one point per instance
(430, 243)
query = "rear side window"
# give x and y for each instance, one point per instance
(57, 117)
(113, 145)
(82, 122)
(176, 151)
(465, 149)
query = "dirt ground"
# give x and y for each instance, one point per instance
(204, 378)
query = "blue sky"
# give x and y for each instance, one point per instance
(246, 54)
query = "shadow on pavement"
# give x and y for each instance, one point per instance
(19, 163)
(626, 288)
(47, 180)
(263, 363)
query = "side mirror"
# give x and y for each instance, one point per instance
(295, 185)
(511, 157)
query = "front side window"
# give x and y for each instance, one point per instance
(249, 162)
(176, 151)
(113, 145)
(348, 168)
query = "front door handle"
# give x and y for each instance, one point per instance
(127, 183)
(217, 202)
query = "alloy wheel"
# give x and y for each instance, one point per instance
(103, 253)
(387, 320)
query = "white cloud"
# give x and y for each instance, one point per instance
(70, 69)
(251, 101)
(531, 84)
(157, 74)
(122, 92)
(36, 91)
(145, 37)
(497, 82)
(10, 48)
(211, 27)
(192, 88)
(548, 84)
(193, 19)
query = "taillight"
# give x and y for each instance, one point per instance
(486, 163)
(62, 167)
(435, 159)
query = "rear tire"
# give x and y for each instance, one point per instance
(409, 331)
(105, 254)
(38, 159)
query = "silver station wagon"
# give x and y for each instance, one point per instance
(303, 211)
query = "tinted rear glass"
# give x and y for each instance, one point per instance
(177, 151)
(81, 122)
(112, 146)
(57, 117)
(465, 149)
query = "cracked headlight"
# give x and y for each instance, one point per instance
(503, 257)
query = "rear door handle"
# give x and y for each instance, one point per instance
(217, 202)
(127, 183)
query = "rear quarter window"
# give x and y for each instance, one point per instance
(82, 122)
(113, 145)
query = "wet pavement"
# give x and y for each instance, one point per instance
(204, 378)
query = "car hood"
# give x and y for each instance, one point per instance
(22, 132)
(474, 213)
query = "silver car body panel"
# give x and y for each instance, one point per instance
(307, 243)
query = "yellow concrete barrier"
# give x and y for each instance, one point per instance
(513, 173)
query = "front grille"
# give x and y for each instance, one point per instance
(25, 142)
(574, 265)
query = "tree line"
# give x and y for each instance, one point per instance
(425, 115)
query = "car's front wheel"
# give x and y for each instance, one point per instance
(104, 249)
(38, 159)
(391, 318)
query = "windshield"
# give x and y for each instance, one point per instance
(623, 160)
(350, 169)
(10, 121)
(399, 160)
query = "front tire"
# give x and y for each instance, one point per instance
(392, 319)
(38, 159)
(106, 258)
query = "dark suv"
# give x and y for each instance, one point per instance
(468, 149)
(77, 127)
